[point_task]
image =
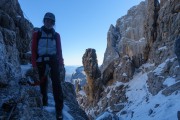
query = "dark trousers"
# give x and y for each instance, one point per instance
(177, 49)
(56, 83)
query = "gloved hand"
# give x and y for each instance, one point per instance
(62, 73)
(35, 74)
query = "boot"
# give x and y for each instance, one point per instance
(45, 101)
(59, 116)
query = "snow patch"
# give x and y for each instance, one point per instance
(137, 88)
(147, 65)
(124, 74)
(169, 81)
(81, 92)
(161, 67)
(162, 48)
(25, 68)
(142, 39)
(109, 94)
(104, 115)
(143, 106)
(66, 115)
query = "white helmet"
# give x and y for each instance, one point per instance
(49, 15)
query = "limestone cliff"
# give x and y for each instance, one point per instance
(140, 49)
(15, 36)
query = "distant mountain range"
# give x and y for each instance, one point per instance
(69, 71)
(75, 74)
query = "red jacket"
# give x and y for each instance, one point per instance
(34, 49)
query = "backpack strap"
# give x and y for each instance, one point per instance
(54, 34)
(39, 32)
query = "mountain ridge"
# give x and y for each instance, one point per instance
(140, 44)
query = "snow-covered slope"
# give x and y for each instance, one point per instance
(141, 104)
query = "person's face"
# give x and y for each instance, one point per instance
(48, 23)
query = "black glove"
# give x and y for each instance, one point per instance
(35, 74)
(62, 72)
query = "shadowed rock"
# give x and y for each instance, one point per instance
(92, 73)
(70, 100)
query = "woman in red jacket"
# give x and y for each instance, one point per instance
(47, 53)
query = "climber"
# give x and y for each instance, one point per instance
(47, 55)
(177, 49)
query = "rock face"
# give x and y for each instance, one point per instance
(167, 26)
(142, 42)
(146, 34)
(127, 38)
(70, 100)
(93, 73)
(15, 36)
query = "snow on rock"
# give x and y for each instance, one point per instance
(137, 88)
(66, 114)
(169, 81)
(106, 116)
(143, 106)
(162, 48)
(81, 92)
(25, 68)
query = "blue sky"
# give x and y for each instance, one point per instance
(82, 24)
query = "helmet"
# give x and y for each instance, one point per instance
(49, 16)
